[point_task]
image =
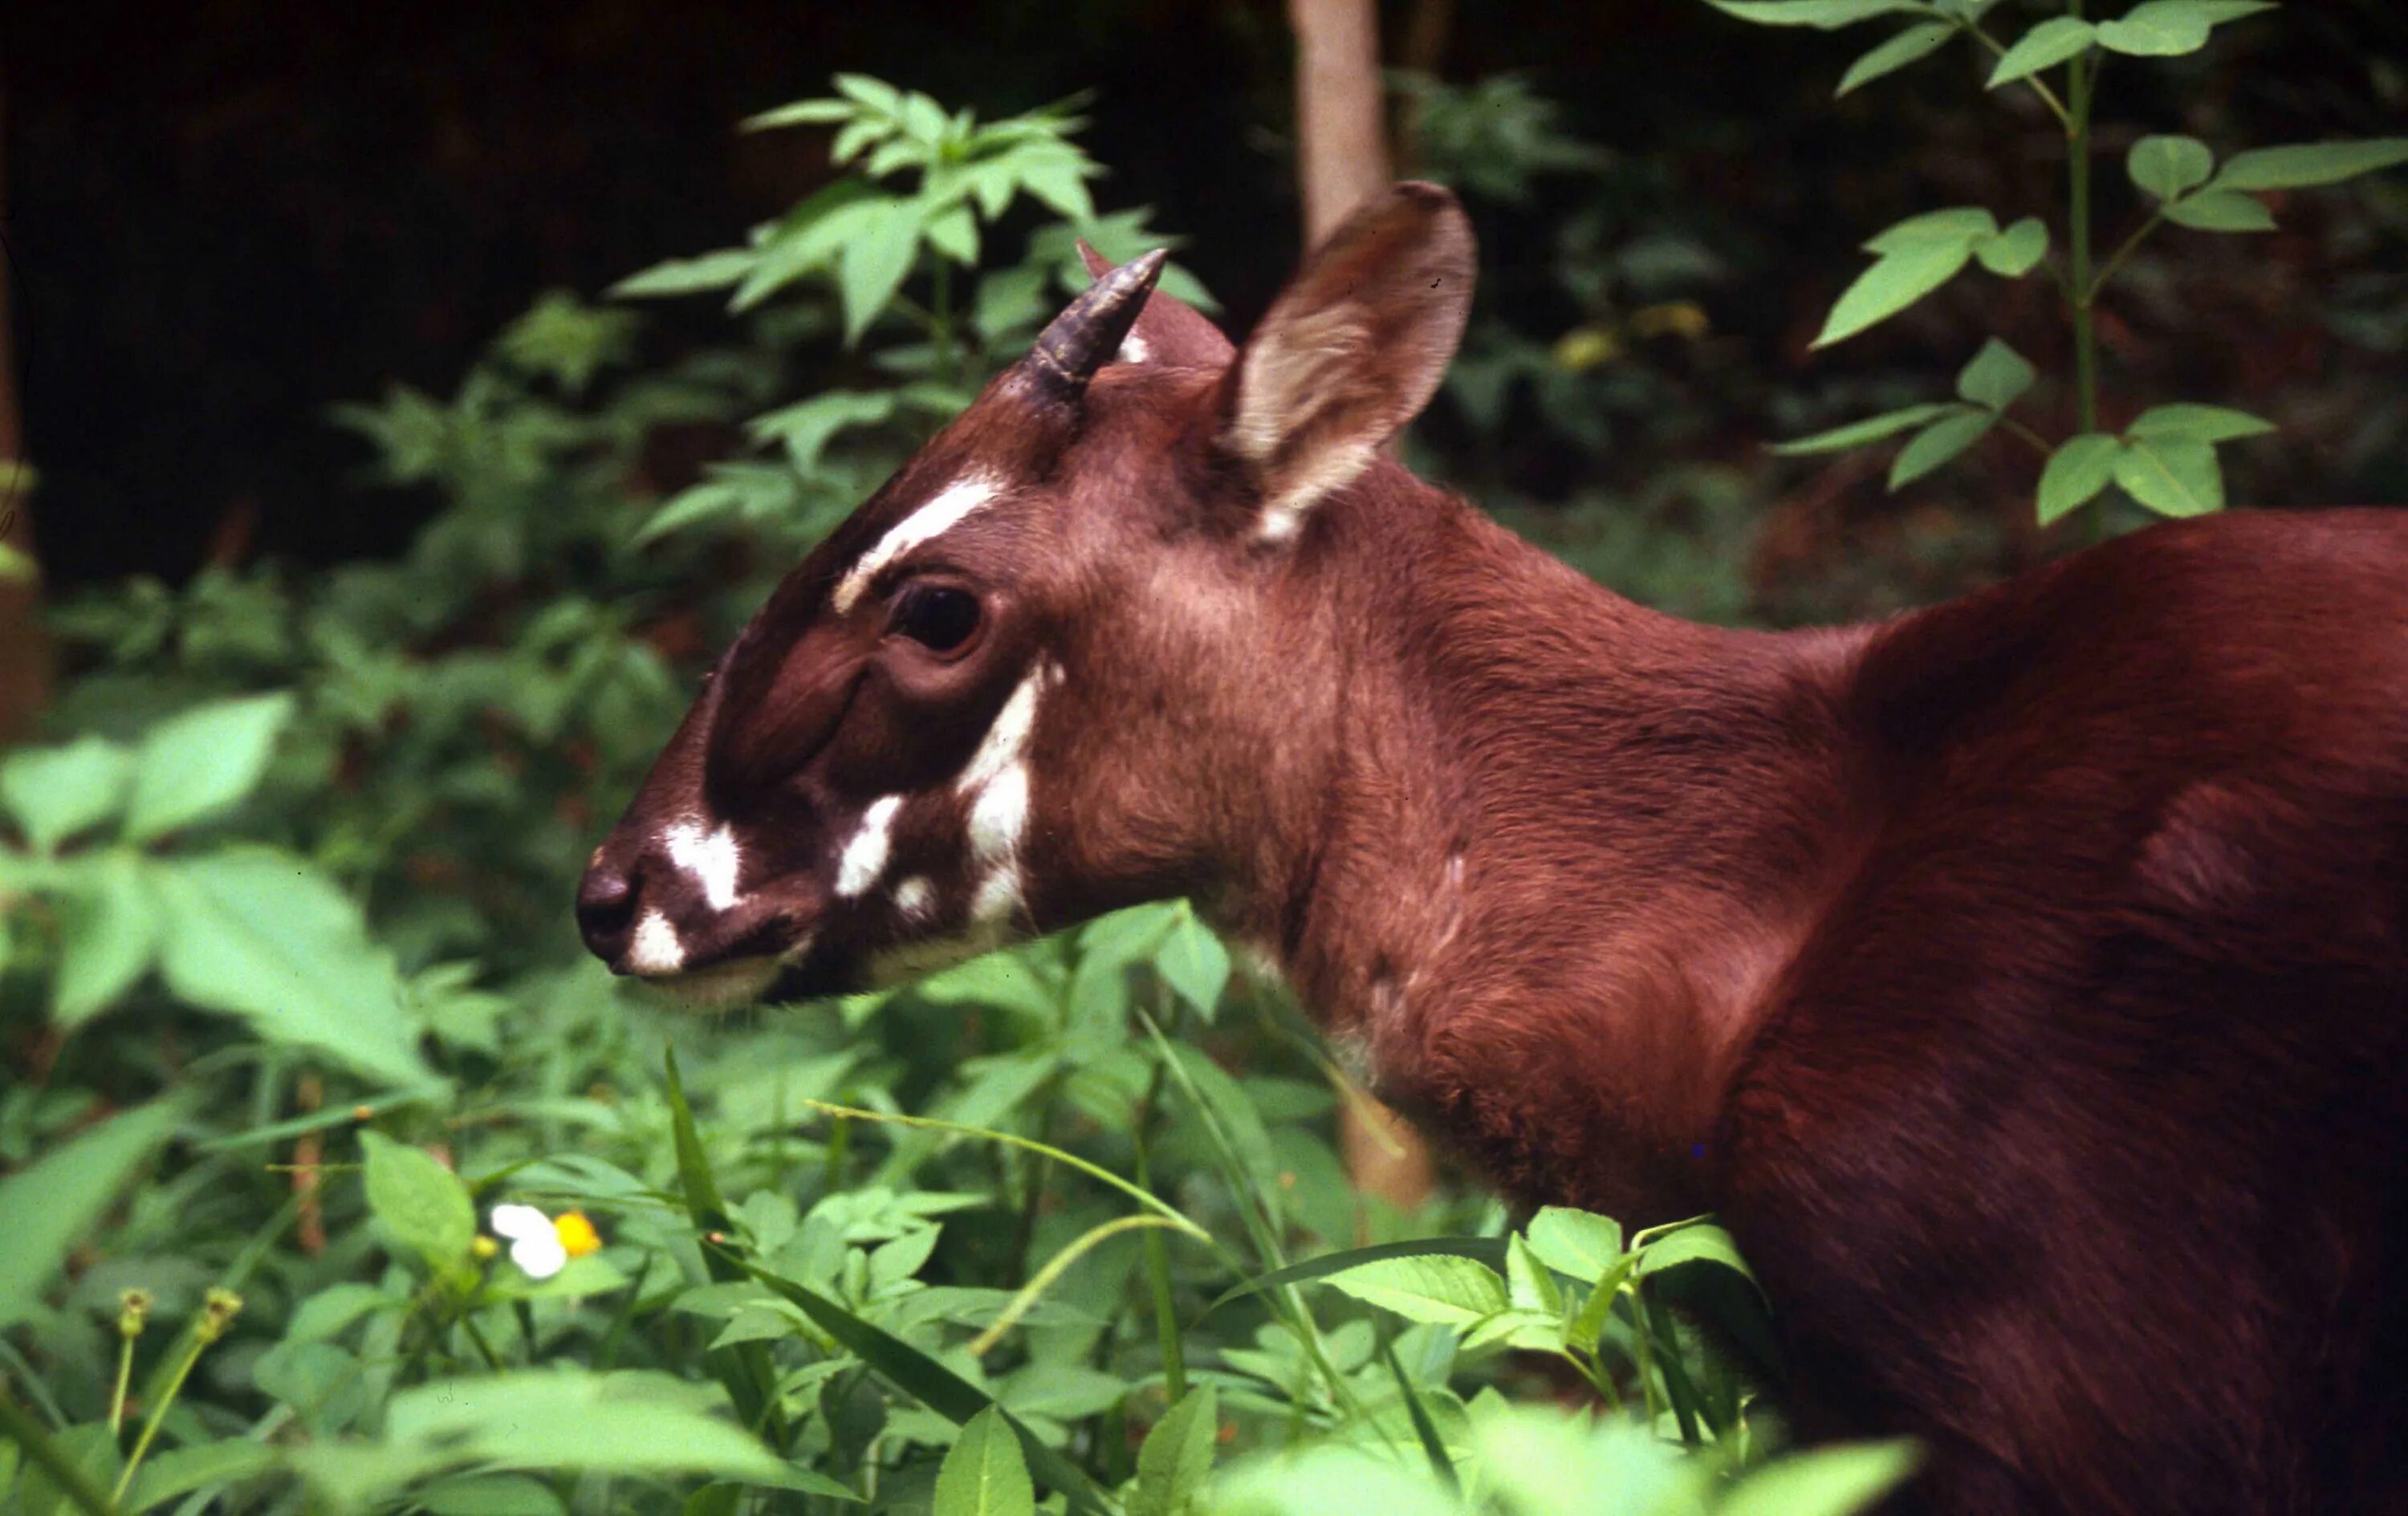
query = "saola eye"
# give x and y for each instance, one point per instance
(938, 617)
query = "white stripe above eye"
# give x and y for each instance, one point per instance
(948, 510)
(865, 856)
(714, 860)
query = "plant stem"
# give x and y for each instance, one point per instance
(194, 1346)
(44, 1454)
(2082, 78)
(2132, 244)
(125, 1382)
(2040, 86)
(1157, 1261)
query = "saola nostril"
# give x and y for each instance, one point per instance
(606, 910)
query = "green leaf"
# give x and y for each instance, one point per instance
(1193, 963)
(1822, 15)
(718, 270)
(2076, 472)
(873, 264)
(1425, 1429)
(264, 935)
(2045, 46)
(1487, 1250)
(1448, 1291)
(1889, 286)
(1578, 1243)
(2169, 28)
(1856, 433)
(1997, 377)
(91, 1451)
(2015, 251)
(1825, 1481)
(54, 1200)
(422, 1204)
(2171, 475)
(201, 762)
(1530, 1284)
(984, 1474)
(108, 934)
(54, 793)
(2168, 167)
(183, 1470)
(2311, 165)
(1911, 46)
(2198, 423)
(1939, 443)
(1695, 1242)
(2220, 210)
(1177, 1456)
(1946, 227)
(806, 427)
(802, 113)
(953, 232)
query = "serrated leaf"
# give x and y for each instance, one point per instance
(2170, 167)
(1822, 15)
(1193, 963)
(2310, 165)
(718, 270)
(1448, 1291)
(2045, 46)
(953, 232)
(1939, 444)
(2197, 423)
(1909, 47)
(2076, 472)
(1177, 1456)
(197, 765)
(2015, 251)
(1578, 1243)
(1857, 433)
(2220, 210)
(108, 935)
(1997, 377)
(52, 1202)
(1531, 1284)
(55, 792)
(984, 1474)
(423, 1205)
(1891, 285)
(873, 265)
(2172, 477)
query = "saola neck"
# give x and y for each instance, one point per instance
(1567, 847)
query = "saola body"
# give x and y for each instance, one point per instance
(2023, 979)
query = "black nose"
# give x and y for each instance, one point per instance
(606, 909)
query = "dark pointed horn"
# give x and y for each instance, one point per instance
(1086, 335)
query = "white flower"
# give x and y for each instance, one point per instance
(535, 1242)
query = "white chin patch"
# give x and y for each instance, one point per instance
(654, 950)
(738, 981)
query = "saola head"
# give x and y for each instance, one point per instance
(1053, 667)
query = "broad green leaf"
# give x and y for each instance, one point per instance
(91, 1451)
(2198, 423)
(1487, 1250)
(873, 264)
(2045, 46)
(1896, 281)
(1951, 226)
(984, 1474)
(53, 1201)
(1530, 1284)
(1193, 963)
(2076, 472)
(2015, 251)
(1997, 377)
(1177, 1456)
(1823, 1481)
(499, 1495)
(1939, 444)
(1911, 46)
(1425, 1430)
(2220, 210)
(54, 793)
(2172, 477)
(805, 427)
(2170, 167)
(1578, 1243)
(423, 1204)
(718, 270)
(1822, 15)
(2310, 165)
(1696, 1242)
(195, 765)
(264, 935)
(183, 1470)
(801, 113)
(1856, 433)
(108, 934)
(1451, 1291)
(2168, 28)
(953, 232)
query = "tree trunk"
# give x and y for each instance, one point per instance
(24, 642)
(1342, 159)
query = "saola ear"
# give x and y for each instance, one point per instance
(1169, 330)
(1352, 350)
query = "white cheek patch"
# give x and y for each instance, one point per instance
(999, 898)
(865, 855)
(996, 782)
(714, 860)
(914, 895)
(1133, 350)
(1007, 741)
(999, 816)
(949, 507)
(655, 949)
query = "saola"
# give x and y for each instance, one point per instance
(2024, 981)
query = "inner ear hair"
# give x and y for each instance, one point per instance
(1352, 350)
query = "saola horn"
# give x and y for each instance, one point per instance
(1086, 335)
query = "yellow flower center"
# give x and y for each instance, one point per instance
(576, 1235)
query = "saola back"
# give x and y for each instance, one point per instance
(2021, 980)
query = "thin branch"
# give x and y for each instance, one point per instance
(2040, 86)
(2131, 245)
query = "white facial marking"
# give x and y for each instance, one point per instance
(948, 510)
(714, 860)
(1000, 815)
(655, 949)
(1007, 741)
(914, 895)
(1133, 350)
(998, 897)
(865, 856)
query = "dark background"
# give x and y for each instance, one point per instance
(224, 217)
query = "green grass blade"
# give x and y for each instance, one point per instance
(744, 1368)
(1425, 1429)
